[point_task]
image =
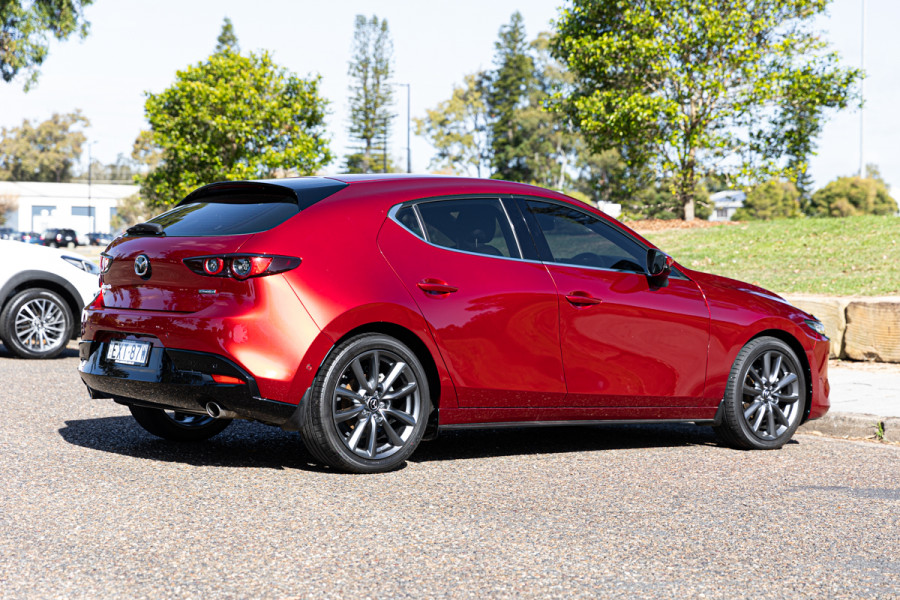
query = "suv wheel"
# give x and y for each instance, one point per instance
(36, 323)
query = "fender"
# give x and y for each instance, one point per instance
(358, 318)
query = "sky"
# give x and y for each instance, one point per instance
(137, 46)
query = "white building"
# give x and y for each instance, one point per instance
(725, 204)
(72, 205)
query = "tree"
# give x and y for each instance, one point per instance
(131, 210)
(8, 203)
(121, 171)
(458, 129)
(227, 40)
(851, 196)
(370, 95)
(774, 199)
(686, 85)
(498, 119)
(508, 90)
(43, 152)
(26, 27)
(231, 117)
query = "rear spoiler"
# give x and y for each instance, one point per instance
(302, 191)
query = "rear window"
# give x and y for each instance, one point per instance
(200, 219)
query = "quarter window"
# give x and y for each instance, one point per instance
(577, 238)
(472, 225)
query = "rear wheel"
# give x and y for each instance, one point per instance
(765, 397)
(369, 406)
(36, 323)
(178, 426)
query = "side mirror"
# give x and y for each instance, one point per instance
(659, 264)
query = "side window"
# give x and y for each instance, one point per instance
(477, 225)
(578, 238)
(407, 217)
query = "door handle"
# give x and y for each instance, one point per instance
(435, 286)
(582, 299)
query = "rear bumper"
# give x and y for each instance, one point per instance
(180, 380)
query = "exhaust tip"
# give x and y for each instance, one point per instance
(217, 412)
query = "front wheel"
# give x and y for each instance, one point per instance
(765, 398)
(36, 323)
(369, 406)
(178, 426)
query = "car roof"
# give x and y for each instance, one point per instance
(309, 190)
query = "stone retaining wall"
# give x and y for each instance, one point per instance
(859, 328)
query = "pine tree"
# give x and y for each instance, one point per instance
(508, 91)
(227, 40)
(371, 96)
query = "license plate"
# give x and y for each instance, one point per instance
(127, 352)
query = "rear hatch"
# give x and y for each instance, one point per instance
(154, 266)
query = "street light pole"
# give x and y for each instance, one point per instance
(862, 93)
(90, 169)
(408, 119)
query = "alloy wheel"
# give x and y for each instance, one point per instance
(771, 391)
(188, 420)
(376, 404)
(40, 325)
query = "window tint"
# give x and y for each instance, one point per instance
(407, 217)
(578, 238)
(222, 218)
(476, 225)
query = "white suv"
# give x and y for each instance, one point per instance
(42, 292)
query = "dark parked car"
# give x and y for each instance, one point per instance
(61, 238)
(96, 238)
(369, 311)
(8, 233)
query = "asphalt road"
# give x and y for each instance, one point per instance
(93, 507)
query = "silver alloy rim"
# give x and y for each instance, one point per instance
(771, 390)
(376, 404)
(40, 325)
(188, 420)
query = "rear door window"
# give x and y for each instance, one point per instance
(478, 225)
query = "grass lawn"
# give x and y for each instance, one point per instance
(843, 257)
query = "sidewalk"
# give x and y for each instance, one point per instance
(862, 395)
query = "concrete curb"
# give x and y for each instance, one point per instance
(852, 425)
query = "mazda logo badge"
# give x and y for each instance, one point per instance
(142, 266)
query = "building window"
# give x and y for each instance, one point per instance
(82, 211)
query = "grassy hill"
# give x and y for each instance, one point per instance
(849, 256)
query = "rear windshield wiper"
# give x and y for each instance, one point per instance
(145, 229)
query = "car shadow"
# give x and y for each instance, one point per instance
(243, 444)
(68, 352)
(246, 444)
(484, 443)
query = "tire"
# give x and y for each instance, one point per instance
(360, 423)
(765, 398)
(178, 426)
(36, 323)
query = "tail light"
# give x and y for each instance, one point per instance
(241, 266)
(105, 262)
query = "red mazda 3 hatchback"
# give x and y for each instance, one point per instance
(367, 312)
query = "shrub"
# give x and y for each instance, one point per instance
(852, 196)
(775, 199)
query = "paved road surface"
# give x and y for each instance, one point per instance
(92, 507)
